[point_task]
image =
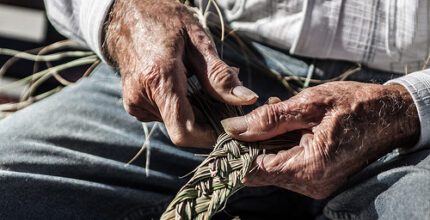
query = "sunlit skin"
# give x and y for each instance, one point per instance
(155, 47)
(345, 125)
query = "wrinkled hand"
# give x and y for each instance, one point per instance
(344, 124)
(156, 45)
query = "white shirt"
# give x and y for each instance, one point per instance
(382, 34)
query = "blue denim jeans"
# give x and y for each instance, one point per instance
(64, 158)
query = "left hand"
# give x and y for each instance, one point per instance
(345, 125)
(157, 45)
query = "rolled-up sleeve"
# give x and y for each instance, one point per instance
(80, 20)
(418, 85)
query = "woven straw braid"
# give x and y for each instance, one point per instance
(214, 181)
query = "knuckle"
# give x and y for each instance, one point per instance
(307, 94)
(152, 79)
(179, 137)
(147, 118)
(130, 109)
(266, 117)
(318, 96)
(131, 102)
(179, 140)
(201, 39)
(136, 105)
(222, 75)
(131, 98)
(134, 109)
(288, 111)
(358, 107)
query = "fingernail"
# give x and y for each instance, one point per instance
(273, 100)
(259, 160)
(236, 125)
(244, 93)
(247, 180)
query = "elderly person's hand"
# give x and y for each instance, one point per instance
(158, 44)
(345, 126)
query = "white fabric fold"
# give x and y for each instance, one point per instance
(80, 20)
(92, 17)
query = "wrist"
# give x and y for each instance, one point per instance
(104, 36)
(406, 121)
(111, 33)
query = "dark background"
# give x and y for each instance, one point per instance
(36, 4)
(22, 68)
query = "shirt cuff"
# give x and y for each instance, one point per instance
(418, 85)
(92, 19)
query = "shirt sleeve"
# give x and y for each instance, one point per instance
(80, 20)
(418, 85)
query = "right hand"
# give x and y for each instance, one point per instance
(158, 44)
(345, 126)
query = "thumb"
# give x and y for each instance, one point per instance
(219, 79)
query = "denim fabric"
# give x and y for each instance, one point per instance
(64, 158)
(397, 188)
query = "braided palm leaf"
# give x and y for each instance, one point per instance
(220, 174)
(214, 181)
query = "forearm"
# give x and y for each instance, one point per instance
(418, 86)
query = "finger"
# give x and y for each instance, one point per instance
(280, 168)
(218, 79)
(273, 100)
(169, 91)
(271, 120)
(143, 115)
(137, 104)
(273, 169)
(255, 178)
